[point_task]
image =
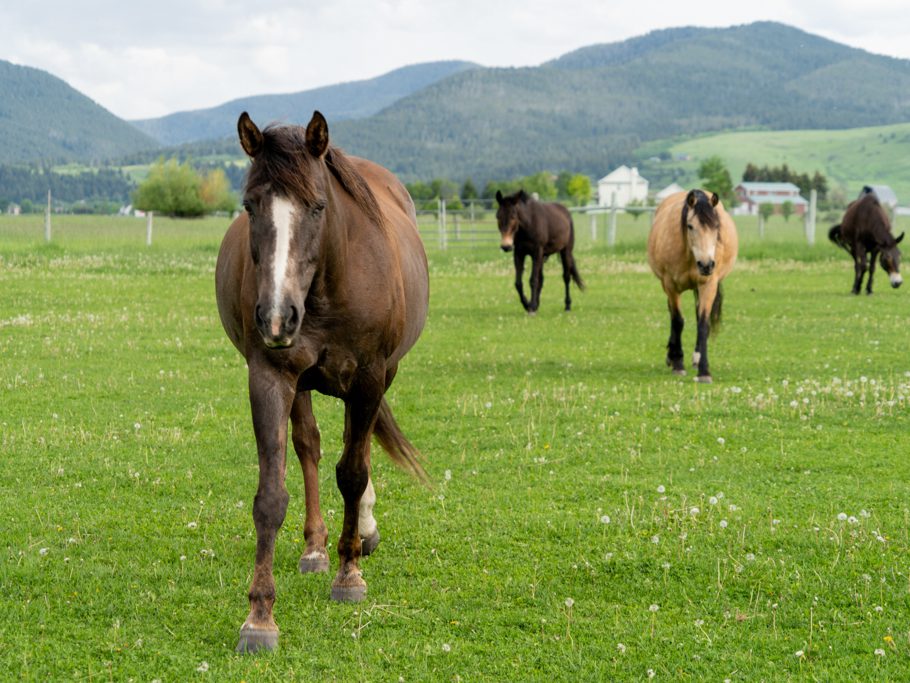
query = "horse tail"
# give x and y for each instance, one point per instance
(573, 269)
(717, 309)
(835, 235)
(402, 452)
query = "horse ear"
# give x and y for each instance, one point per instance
(498, 197)
(714, 199)
(522, 195)
(691, 198)
(898, 240)
(250, 135)
(317, 135)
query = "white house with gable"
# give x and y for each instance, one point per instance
(625, 183)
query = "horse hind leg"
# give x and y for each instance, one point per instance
(306, 440)
(566, 275)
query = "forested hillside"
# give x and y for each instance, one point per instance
(43, 118)
(590, 109)
(353, 100)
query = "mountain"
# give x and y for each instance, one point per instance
(43, 118)
(590, 109)
(354, 100)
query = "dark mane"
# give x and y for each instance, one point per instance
(285, 163)
(703, 209)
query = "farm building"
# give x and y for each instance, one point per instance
(884, 193)
(670, 189)
(750, 196)
(625, 184)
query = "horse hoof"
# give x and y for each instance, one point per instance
(532, 313)
(315, 562)
(368, 545)
(704, 379)
(681, 372)
(353, 593)
(253, 640)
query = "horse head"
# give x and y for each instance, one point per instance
(508, 217)
(891, 261)
(285, 198)
(701, 226)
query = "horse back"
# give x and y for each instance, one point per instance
(550, 226)
(865, 221)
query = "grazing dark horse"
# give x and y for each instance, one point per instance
(537, 229)
(692, 245)
(321, 285)
(866, 230)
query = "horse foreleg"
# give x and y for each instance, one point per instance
(536, 280)
(677, 322)
(519, 257)
(706, 295)
(872, 258)
(353, 476)
(859, 265)
(271, 396)
(306, 440)
(566, 258)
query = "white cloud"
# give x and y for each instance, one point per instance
(144, 59)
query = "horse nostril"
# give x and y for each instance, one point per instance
(260, 320)
(293, 318)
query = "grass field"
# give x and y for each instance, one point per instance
(592, 516)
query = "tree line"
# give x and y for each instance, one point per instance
(564, 186)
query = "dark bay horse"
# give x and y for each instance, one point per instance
(321, 285)
(537, 229)
(865, 229)
(692, 245)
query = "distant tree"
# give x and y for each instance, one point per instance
(541, 183)
(786, 209)
(27, 206)
(820, 184)
(468, 190)
(443, 188)
(420, 191)
(579, 189)
(766, 211)
(171, 188)
(716, 178)
(562, 185)
(215, 192)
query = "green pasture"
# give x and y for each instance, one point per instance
(592, 516)
(848, 158)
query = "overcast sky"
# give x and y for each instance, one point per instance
(144, 59)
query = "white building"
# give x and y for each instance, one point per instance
(625, 184)
(669, 190)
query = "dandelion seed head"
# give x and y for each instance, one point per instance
(661, 489)
(446, 647)
(723, 524)
(569, 602)
(605, 519)
(654, 607)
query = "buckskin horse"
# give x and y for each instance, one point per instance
(692, 245)
(321, 285)
(536, 229)
(865, 229)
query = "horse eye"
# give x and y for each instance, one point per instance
(690, 226)
(248, 207)
(317, 209)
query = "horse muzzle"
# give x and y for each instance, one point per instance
(705, 269)
(896, 280)
(506, 247)
(278, 328)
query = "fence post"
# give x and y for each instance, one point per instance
(810, 217)
(593, 216)
(148, 228)
(761, 224)
(611, 235)
(47, 219)
(442, 223)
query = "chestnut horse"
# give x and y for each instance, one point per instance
(692, 245)
(866, 229)
(537, 229)
(321, 285)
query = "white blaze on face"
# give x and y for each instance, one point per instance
(282, 215)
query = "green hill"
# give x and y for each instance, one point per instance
(353, 100)
(849, 158)
(43, 118)
(591, 109)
